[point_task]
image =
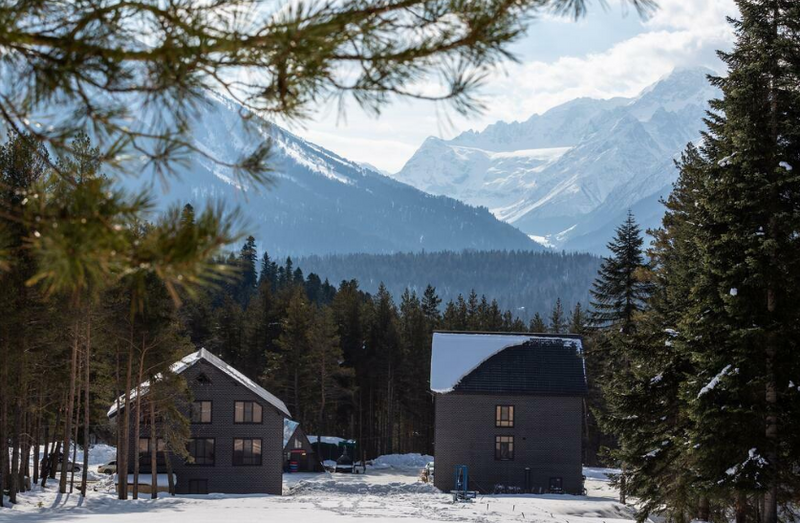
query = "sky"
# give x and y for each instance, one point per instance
(610, 52)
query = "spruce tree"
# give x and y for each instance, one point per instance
(558, 322)
(617, 292)
(746, 296)
(537, 324)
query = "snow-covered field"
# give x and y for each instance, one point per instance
(385, 494)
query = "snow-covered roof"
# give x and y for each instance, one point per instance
(454, 355)
(289, 427)
(188, 361)
(330, 440)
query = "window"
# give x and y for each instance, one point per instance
(504, 416)
(504, 448)
(201, 412)
(144, 445)
(297, 443)
(145, 448)
(202, 379)
(246, 451)
(202, 450)
(247, 412)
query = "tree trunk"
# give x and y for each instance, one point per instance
(3, 420)
(37, 433)
(136, 434)
(46, 451)
(771, 346)
(25, 447)
(138, 419)
(62, 484)
(153, 448)
(168, 465)
(741, 507)
(13, 484)
(51, 458)
(86, 405)
(126, 435)
(77, 408)
(703, 509)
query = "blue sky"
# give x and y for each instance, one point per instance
(610, 52)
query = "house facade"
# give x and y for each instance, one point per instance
(236, 433)
(511, 408)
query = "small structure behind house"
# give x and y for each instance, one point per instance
(298, 454)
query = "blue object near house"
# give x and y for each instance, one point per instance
(461, 483)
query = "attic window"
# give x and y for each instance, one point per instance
(203, 379)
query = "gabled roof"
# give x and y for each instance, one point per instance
(547, 364)
(289, 428)
(189, 361)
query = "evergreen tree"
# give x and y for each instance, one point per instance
(618, 292)
(558, 322)
(537, 324)
(577, 320)
(247, 276)
(717, 351)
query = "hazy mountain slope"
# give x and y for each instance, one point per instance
(322, 203)
(611, 155)
(524, 282)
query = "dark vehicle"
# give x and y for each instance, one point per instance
(344, 463)
(70, 465)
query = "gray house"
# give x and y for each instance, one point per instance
(510, 408)
(236, 428)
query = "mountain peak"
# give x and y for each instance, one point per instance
(563, 173)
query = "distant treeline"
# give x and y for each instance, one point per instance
(521, 281)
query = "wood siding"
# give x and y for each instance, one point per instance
(223, 476)
(547, 439)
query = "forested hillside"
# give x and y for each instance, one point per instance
(367, 355)
(524, 282)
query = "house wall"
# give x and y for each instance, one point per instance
(223, 476)
(547, 438)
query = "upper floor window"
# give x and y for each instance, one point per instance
(504, 416)
(297, 443)
(202, 450)
(246, 451)
(504, 448)
(246, 412)
(201, 412)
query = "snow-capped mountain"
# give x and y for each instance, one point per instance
(568, 176)
(322, 203)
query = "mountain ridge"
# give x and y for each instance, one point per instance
(322, 203)
(613, 154)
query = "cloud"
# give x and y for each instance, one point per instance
(681, 33)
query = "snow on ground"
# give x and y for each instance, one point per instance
(402, 461)
(383, 495)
